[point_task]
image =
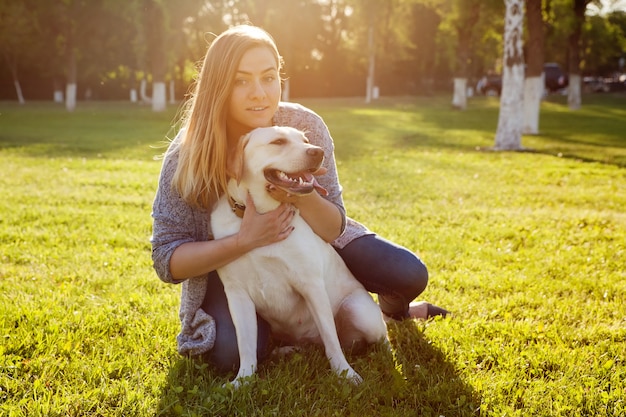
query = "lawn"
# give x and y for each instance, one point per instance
(528, 250)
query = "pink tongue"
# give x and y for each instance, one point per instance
(319, 188)
(308, 177)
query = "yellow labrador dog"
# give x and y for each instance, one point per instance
(300, 285)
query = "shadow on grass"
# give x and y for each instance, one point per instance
(125, 130)
(593, 133)
(117, 130)
(415, 378)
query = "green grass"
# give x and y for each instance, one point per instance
(527, 249)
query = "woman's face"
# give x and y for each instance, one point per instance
(256, 92)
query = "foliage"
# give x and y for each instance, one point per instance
(527, 249)
(325, 43)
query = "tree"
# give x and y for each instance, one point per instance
(16, 24)
(423, 47)
(78, 21)
(604, 39)
(154, 25)
(534, 83)
(575, 80)
(509, 132)
(468, 16)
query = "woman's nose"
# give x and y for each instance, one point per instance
(257, 90)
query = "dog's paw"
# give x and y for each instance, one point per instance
(237, 383)
(352, 376)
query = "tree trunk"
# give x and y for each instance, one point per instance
(469, 13)
(18, 87)
(510, 119)
(159, 96)
(70, 86)
(369, 88)
(533, 92)
(285, 92)
(573, 95)
(18, 91)
(57, 86)
(156, 46)
(459, 98)
(534, 83)
(143, 86)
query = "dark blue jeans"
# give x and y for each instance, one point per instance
(393, 272)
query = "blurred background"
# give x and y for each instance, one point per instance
(117, 49)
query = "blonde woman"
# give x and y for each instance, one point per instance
(238, 89)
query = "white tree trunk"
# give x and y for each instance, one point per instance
(285, 93)
(369, 87)
(18, 91)
(459, 97)
(70, 96)
(573, 92)
(133, 95)
(159, 99)
(511, 118)
(533, 92)
(58, 96)
(143, 85)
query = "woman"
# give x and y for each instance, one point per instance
(238, 89)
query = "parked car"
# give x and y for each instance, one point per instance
(555, 80)
(596, 85)
(490, 85)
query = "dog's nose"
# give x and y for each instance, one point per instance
(315, 151)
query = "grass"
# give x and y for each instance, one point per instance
(528, 249)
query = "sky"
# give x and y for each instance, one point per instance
(617, 5)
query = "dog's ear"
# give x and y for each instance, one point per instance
(234, 164)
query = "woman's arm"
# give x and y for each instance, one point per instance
(197, 258)
(326, 215)
(181, 244)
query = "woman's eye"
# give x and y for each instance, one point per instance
(270, 78)
(240, 81)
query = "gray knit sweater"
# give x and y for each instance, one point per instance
(175, 223)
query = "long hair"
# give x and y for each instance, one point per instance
(200, 176)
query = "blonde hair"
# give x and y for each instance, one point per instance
(200, 176)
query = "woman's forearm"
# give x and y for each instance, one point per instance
(322, 215)
(197, 258)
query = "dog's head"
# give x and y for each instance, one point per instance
(278, 155)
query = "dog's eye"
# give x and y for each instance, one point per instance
(279, 141)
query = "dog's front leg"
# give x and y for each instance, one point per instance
(243, 313)
(321, 310)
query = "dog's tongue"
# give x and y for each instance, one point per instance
(311, 178)
(319, 188)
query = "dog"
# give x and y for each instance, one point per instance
(300, 285)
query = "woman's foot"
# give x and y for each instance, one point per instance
(423, 310)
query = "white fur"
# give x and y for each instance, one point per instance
(300, 285)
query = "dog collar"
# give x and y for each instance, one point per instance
(236, 207)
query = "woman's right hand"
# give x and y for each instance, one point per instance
(264, 229)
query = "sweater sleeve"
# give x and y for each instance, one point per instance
(173, 219)
(299, 117)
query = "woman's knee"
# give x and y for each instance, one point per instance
(224, 355)
(417, 277)
(385, 267)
